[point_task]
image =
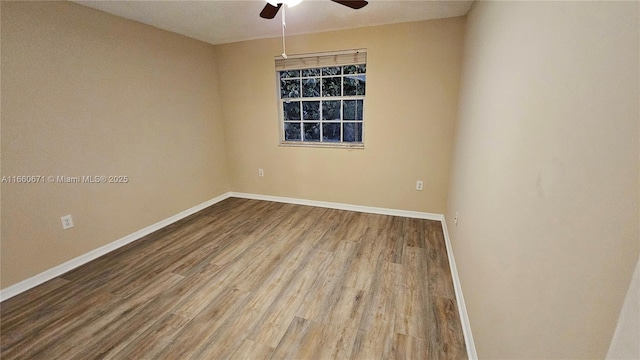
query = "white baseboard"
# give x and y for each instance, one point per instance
(341, 206)
(462, 309)
(56, 271)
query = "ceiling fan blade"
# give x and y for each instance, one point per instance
(354, 4)
(270, 11)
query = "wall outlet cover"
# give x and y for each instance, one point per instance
(67, 222)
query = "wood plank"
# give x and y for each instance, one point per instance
(37, 338)
(361, 270)
(302, 340)
(412, 311)
(390, 236)
(328, 285)
(376, 333)
(116, 322)
(342, 325)
(414, 233)
(152, 342)
(343, 230)
(14, 304)
(290, 297)
(439, 272)
(250, 349)
(408, 347)
(201, 330)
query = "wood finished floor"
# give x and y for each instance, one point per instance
(248, 279)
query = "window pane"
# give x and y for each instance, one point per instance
(352, 110)
(352, 132)
(349, 86)
(310, 72)
(289, 88)
(331, 86)
(334, 70)
(311, 87)
(291, 110)
(354, 85)
(312, 132)
(311, 110)
(331, 132)
(292, 131)
(354, 69)
(331, 110)
(289, 74)
(361, 84)
(349, 69)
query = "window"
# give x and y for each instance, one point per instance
(321, 99)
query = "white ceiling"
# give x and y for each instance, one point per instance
(219, 22)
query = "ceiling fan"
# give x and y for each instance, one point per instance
(271, 9)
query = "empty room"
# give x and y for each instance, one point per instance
(319, 179)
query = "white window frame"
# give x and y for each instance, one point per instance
(320, 60)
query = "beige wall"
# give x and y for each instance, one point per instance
(412, 87)
(545, 175)
(87, 93)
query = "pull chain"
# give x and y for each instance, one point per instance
(284, 25)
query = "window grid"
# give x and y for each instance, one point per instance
(323, 95)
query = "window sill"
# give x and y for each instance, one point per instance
(323, 145)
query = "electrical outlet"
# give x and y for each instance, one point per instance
(67, 222)
(455, 219)
(260, 172)
(419, 185)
